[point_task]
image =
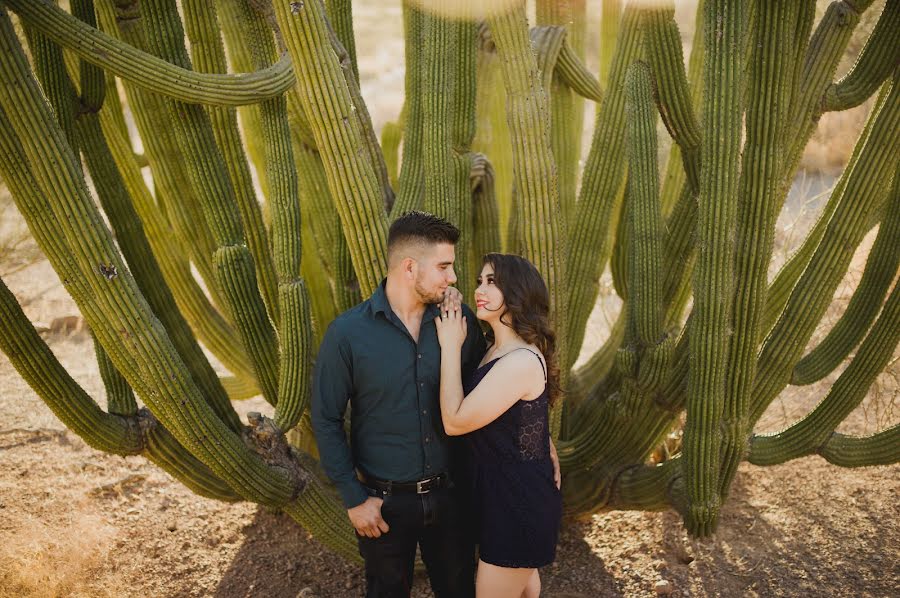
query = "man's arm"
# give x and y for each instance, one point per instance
(332, 387)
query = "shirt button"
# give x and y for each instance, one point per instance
(428, 439)
(424, 411)
(419, 356)
(421, 384)
(428, 466)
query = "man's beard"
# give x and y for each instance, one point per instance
(427, 297)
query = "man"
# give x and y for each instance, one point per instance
(396, 477)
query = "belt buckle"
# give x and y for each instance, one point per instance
(420, 486)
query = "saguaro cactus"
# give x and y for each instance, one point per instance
(758, 80)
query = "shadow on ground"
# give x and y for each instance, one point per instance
(279, 559)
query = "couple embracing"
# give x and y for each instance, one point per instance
(416, 369)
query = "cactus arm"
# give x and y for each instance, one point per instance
(162, 449)
(412, 172)
(296, 329)
(391, 136)
(610, 19)
(296, 350)
(534, 168)
(137, 250)
(824, 51)
(586, 447)
(108, 432)
(780, 289)
(32, 358)
(241, 23)
(566, 108)
(235, 270)
(880, 270)
(675, 175)
(448, 96)
(575, 75)
(770, 71)
(720, 159)
(649, 487)
(173, 189)
(49, 68)
(208, 56)
(595, 369)
(317, 209)
(862, 195)
(369, 138)
(881, 448)
(876, 61)
(204, 319)
(148, 71)
(662, 44)
(808, 435)
(485, 215)
(340, 15)
(126, 224)
(644, 221)
(802, 27)
(330, 111)
(115, 114)
(321, 512)
(462, 136)
(604, 172)
(107, 294)
(174, 192)
(119, 396)
(295, 382)
(91, 78)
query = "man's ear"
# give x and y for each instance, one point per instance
(408, 267)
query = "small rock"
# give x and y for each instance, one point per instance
(306, 593)
(663, 587)
(659, 565)
(348, 584)
(172, 525)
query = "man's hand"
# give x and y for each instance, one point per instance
(366, 518)
(555, 458)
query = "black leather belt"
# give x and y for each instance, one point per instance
(416, 487)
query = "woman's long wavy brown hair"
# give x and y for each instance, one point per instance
(527, 309)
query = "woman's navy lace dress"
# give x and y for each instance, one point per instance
(515, 498)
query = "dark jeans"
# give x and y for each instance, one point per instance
(437, 523)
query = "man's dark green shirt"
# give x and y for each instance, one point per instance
(369, 358)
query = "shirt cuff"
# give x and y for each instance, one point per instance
(353, 494)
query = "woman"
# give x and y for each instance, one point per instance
(505, 418)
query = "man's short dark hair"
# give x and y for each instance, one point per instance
(417, 227)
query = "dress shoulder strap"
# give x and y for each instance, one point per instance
(541, 361)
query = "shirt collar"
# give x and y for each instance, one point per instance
(378, 302)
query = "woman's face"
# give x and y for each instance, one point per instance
(488, 297)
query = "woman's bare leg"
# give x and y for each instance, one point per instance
(533, 589)
(500, 582)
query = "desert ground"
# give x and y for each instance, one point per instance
(76, 522)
